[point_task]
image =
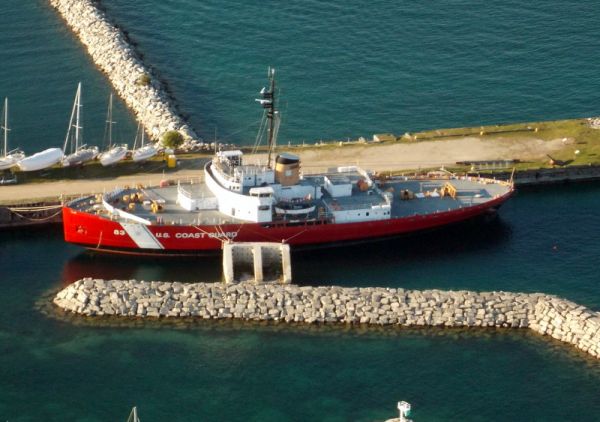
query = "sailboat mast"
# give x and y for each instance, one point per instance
(73, 111)
(109, 120)
(139, 135)
(77, 126)
(5, 126)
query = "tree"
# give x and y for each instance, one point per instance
(144, 79)
(172, 139)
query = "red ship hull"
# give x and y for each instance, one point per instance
(99, 233)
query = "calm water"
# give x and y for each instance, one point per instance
(345, 70)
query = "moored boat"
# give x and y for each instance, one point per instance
(41, 160)
(142, 152)
(79, 153)
(8, 158)
(114, 153)
(276, 202)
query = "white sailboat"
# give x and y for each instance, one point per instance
(8, 158)
(115, 153)
(41, 160)
(143, 152)
(79, 154)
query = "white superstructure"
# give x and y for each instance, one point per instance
(241, 191)
(237, 189)
(278, 192)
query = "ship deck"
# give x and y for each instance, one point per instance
(424, 194)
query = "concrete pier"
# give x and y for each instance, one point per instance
(131, 79)
(548, 176)
(545, 314)
(257, 256)
(41, 213)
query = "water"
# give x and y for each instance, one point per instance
(345, 70)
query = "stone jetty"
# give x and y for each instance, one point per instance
(131, 79)
(544, 314)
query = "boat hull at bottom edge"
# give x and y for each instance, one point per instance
(101, 234)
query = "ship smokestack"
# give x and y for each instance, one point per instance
(287, 169)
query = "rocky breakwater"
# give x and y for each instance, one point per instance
(133, 81)
(545, 314)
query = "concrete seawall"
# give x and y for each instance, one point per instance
(544, 314)
(30, 214)
(131, 79)
(547, 176)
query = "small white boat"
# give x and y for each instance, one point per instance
(79, 154)
(144, 152)
(8, 158)
(82, 155)
(295, 211)
(41, 160)
(114, 153)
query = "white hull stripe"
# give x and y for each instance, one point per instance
(142, 236)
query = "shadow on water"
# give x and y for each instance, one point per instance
(27, 233)
(470, 237)
(192, 269)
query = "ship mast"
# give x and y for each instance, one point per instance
(267, 100)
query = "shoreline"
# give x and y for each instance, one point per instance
(55, 190)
